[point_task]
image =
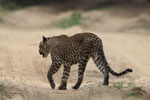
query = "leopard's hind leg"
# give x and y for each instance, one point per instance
(81, 69)
(101, 63)
(64, 78)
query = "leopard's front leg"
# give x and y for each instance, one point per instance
(55, 66)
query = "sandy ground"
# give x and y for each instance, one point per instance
(24, 71)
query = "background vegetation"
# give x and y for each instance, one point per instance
(74, 19)
(2, 88)
(15, 4)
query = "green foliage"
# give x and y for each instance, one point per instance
(136, 95)
(1, 98)
(147, 26)
(2, 88)
(74, 19)
(20, 3)
(118, 85)
(2, 14)
(6, 5)
(10, 4)
(131, 85)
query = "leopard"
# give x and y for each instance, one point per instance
(76, 49)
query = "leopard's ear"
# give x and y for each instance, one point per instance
(44, 39)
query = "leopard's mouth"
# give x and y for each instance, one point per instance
(43, 55)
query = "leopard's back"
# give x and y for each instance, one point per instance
(76, 47)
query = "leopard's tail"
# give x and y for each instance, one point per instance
(121, 73)
(102, 64)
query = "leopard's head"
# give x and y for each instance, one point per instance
(44, 48)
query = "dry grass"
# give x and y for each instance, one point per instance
(137, 92)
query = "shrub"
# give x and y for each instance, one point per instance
(118, 85)
(74, 19)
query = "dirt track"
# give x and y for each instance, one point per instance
(21, 63)
(23, 70)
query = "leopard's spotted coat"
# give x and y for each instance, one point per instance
(72, 50)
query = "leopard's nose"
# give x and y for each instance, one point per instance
(40, 52)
